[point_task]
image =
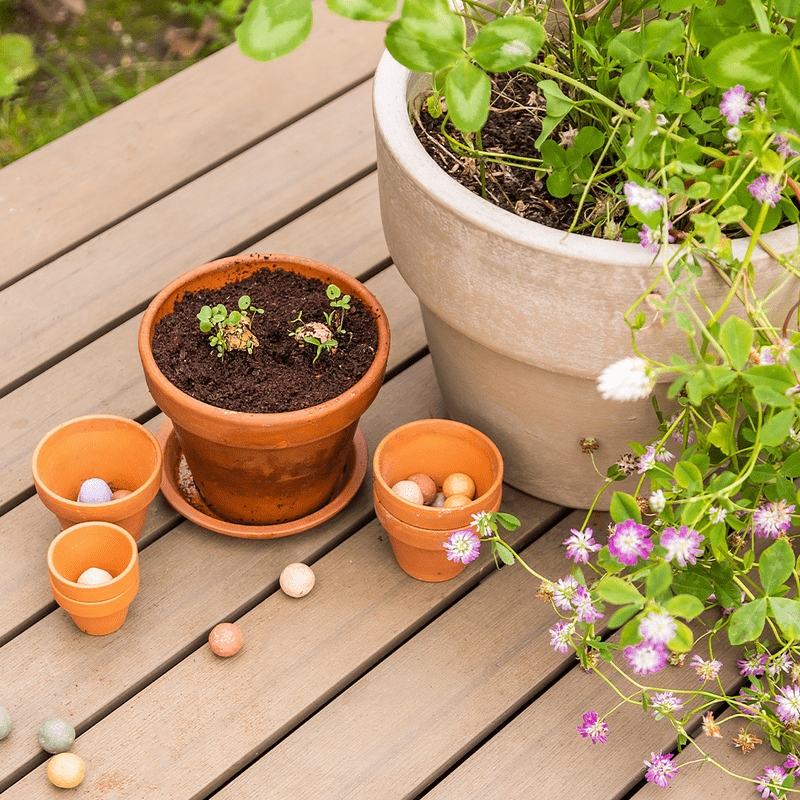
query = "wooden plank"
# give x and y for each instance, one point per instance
(52, 668)
(97, 284)
(188, 731)
(95, 176)
(27, 530)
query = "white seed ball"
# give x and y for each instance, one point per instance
(438, 501)
(408, 490)
(94, 576)
(94, 490)
(5, 723)
(297, 580)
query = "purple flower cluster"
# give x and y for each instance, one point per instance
(661, 770)
(581, 544)
(463, 546)
(630, 542)
(735, 104)
(772, 519)
(765, 189)
(593, 728)
(683, 545)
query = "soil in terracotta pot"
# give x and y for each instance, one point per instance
(280, 374)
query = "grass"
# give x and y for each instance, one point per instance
(91, 62)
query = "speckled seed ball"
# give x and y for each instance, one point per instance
(297, 580)
(226, 639)
(66, 770)
(459, 483)
(455, 501)
(426, 485)
(56, 735)
(94, 490)
(5, 723)
(408, 490)
(118, 494)
(94, 576)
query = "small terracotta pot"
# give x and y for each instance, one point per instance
(263, 469)
(118, 450)
(101, 608)
(437, 448)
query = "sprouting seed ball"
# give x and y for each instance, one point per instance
(66, 770)
(408, 490)
(297, 580)
(56, 735)
(426, 484)
(458, 483)
(455, 501)
(5, 723)
(225, 639)
(94, 576)
(118, 494)
(94, 490)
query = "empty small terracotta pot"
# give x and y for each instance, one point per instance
(100, 608)
(438, 448)
(120, 451)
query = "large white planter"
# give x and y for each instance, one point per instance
(522, 318)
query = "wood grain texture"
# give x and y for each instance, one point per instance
(71, 299)
(98, 174)
(191, 729)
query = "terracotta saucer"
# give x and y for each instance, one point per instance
(178, 487)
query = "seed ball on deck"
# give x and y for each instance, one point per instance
(56, 735)
(455, 501)
(94, 490)
(297, 580)
(225, 639)
(66, 770)
(94, 576)
(426, 484)
(5, 723)
(459, 483)
(408, 490)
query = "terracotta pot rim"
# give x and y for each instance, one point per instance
(390, 108)
(440, 514)
(256, 419)
(85, 608)
(71, 531)
(148, 490)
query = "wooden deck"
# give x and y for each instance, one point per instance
(374, 686)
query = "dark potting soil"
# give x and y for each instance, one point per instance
(279, 375)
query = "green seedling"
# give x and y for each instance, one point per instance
(319, 334)
(339, 303)
(230, 331)
(327, 344)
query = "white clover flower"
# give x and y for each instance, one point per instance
(627, 379)
(657, 501)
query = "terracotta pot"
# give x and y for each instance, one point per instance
(96, 609)
(437, 448)
(521, 318)
(263, 469)
(118, 450)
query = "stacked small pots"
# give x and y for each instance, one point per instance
(101, 608)
(118, 450)
(437, 448)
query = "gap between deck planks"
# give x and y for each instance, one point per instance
(198, 724)
(95, 176)
(106, 375)
(97, 284)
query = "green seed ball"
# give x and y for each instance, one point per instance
(5, 723)
(56, 735)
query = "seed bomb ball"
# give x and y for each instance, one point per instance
(426, 484)
(225, 639)
(438, 501)
(5, 723)
(118, 494)
(94, 576)
(408, 490)
(455, 500)
(94, 490)
(66, 770)
(56, 735)
(459, 483)
(297, 580)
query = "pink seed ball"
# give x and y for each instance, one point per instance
(225, 639)
(297, 580)
(408, 490)
(119, 494)
(94, 490)
(426, 485)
